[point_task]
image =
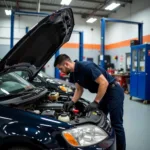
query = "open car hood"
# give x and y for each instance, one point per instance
(35, 49)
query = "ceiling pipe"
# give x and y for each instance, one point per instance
(58, 5)
(38, 6)
(17, 4)
(51, 10)
(95, 10)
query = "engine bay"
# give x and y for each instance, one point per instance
(55, 110)
(52, 106)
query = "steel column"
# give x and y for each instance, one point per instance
(12, 18)
(57, 70)
(103, 24)
(120, 21)
(30, 13)
(81, 46)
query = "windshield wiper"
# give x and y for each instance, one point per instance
(11, 95)
(27, 91)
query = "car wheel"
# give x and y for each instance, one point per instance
(19, 148)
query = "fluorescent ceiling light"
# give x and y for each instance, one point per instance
(65, 2)
(91, 20)
(112, 6)
(7, 12)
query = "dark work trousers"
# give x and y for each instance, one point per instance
(112, 103)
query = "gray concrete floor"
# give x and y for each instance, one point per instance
(136, 122)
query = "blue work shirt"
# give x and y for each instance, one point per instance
(86, 73)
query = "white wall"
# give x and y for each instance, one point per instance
(21, 22)
(121, 53)
(138, 11)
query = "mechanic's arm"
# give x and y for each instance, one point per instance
(103, 84)
(78, 93)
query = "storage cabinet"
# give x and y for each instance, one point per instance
(140, 71)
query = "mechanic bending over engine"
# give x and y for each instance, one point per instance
(109, 98)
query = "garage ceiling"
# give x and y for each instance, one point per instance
(85, 8)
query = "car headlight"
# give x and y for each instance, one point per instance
(84, 135)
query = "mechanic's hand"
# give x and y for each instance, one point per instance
(68, 105)
(91, 106)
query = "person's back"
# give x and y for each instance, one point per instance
(85, 74)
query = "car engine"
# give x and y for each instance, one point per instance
(53, 107)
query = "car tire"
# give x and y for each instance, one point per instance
(19, 148)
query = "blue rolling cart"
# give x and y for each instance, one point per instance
(140, 72)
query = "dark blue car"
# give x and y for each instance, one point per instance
(28, 120)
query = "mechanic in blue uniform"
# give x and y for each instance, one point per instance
(109, 98)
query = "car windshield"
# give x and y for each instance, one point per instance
(25, 75)
(12, 83)
(43, 75)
